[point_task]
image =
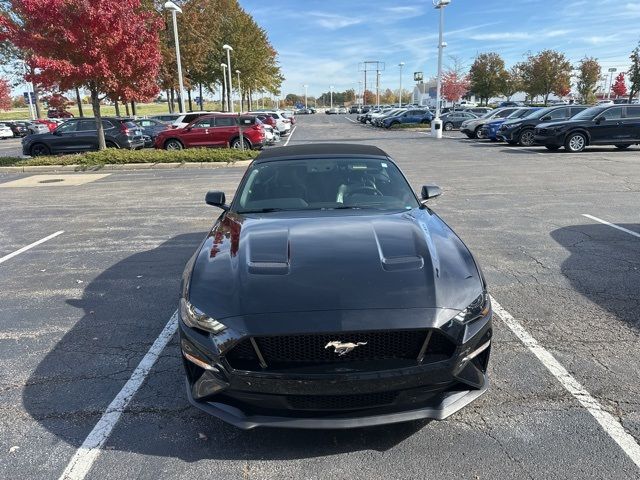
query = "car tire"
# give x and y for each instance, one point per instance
(111, 144)
(575, 142)
(235, 143)
(173, 144)
(477, 133)
(525, 139)
(622, 146)
(553, 148)
(448, 126)
(39, 149)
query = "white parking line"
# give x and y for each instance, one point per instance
(612, 225)
(352, 121)
(290, 135)
(30, 246)
(607, 421)
(86, 455)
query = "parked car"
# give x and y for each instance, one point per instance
(490, 129)
(414, 116)
(167, 118)
(150, 129)
(80, 135)
(34, 127)
(19, 128)
(479, 111)
(342, 110)
(55, 113)
(331, 111)
(509, 103)
(467, 104)
(397, 327)
(290, 115)
(605, 102)
(49, 123)
(355, 108)
(473, 128)
(372, 117)
(454, 119)
(376, 120)
(271, 135)
(214, 130)
(521, 131)
(617, 125)
(282, 123)
(5, 131)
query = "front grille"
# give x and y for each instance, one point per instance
(341, 402)
(292, 351)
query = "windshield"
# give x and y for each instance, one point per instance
(324, 184)
(589, 113)
(540, 113)
(521, 112)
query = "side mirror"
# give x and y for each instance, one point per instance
(430, 191)
(216, 199)
(599, 120)
(545, 118)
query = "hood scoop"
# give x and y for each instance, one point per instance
(268, 252)
(398, 247)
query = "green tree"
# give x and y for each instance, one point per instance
(486, 76)
(634, 73)
(511, 82)
(589, 71)
(545, 73)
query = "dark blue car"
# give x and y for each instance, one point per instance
(416, 116)
(490, 130)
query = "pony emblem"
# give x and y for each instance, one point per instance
(343, 348)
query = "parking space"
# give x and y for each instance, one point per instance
(557, 235)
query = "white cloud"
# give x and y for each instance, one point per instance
(334, 22)
(515, 36)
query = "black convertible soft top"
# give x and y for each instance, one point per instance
(319, 150)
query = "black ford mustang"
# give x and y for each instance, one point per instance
(327, 295)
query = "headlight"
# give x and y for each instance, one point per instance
(195, 318)
(480, 307)
(513, 125)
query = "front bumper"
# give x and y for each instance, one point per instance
(306, 398)
(554, 140)
(508, 135)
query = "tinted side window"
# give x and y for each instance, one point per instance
(559, 114)
(106, 124)
(86, 125)
(612, 114)
(204, 123)
(576, 110)
(190, 118)
(633, 112)
(67, 127)
(225, 121)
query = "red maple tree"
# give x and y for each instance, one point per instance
(619, 87)
(454, 86)
(5, 95)
(107, 46)
(57, 101)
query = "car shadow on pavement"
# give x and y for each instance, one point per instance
(604, 266)
(124, 310)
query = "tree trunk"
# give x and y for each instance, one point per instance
(95, 103)
(169, 105)
(173, 101)
(133, 108)
(79, 101)
(36, 98)
(546, 99)
(201, 98)
(126, 107)
(189, 100)
(115, 104)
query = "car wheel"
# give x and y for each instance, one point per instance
(526, 138)
(40, 149)
(477, 133)
(622, 146)
(448, 126)
(111, 145)
(173, 144)
(235, 143)
(576, 142)
(553, 148)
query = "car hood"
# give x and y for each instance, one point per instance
(494, 123)
(407, 260)
(558, 124)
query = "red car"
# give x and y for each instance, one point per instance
(51, 125)
(217, 130)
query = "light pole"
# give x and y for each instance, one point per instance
(331, 94)
(175, 9)
(436, 124)
(225, 102)
(360, 94)
(401, 64)
(306, 87)
(229, 49)
(239, 91)
(611, 72)
(29, 92)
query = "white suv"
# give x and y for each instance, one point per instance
(283, 124)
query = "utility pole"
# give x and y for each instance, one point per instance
(378, 88)
(436, 124)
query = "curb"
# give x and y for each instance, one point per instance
(122, 166)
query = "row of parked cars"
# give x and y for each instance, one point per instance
(391, 116)
(573, 127)
(252, 130)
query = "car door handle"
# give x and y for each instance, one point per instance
(206, 131)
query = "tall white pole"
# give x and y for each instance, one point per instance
(178, 61)
(305, 95)
(436, 124)
(401, 64)
(239, 92)
(225, 100)
(228, 49)
(331, 93)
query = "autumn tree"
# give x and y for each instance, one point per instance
(634, 73)
(5, 95)
(105, 46)
(486, 76)
(57, 101)
(510, 82)
(454, 86)
(589, 71)
(545, 73)
(619, 87)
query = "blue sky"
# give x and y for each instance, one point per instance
(320, 43)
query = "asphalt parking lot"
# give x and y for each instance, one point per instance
(11, 147)
(79, 312)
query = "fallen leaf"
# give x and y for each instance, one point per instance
(14, 448)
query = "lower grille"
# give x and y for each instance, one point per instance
(341, 402)
(292, 351)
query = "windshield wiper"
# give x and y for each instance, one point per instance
(264, 210)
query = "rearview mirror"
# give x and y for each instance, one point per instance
(430, 191)
(216, 199)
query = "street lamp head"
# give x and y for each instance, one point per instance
(238, 72)
(441, 3)
(172, 7)
(223, 65)
(401, 64)
(227, 47)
